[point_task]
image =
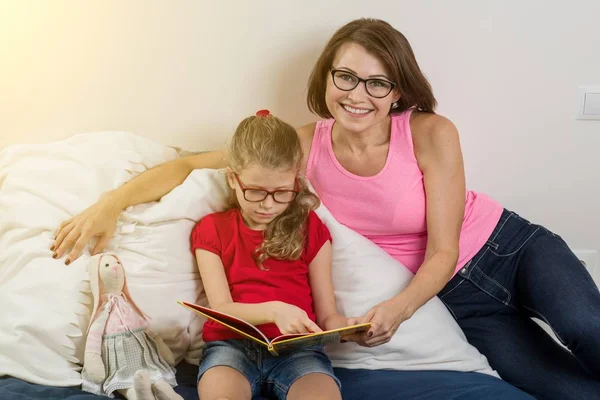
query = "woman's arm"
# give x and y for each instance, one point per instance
(438, 153)
(321, 285)
(100, 219)
(288, 318)
(153, 184)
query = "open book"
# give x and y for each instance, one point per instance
(281, 343)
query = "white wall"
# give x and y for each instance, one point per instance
(184, 72)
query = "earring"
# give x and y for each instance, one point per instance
(395, 104)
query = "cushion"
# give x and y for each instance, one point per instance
(44, 305)
(365, 275)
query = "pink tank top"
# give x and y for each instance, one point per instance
(389, 208)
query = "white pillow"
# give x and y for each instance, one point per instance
(363, 275)
(42, 308)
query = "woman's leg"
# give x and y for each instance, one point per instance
(554, 286)
(520, 272)
(527, 357)
(359, 384)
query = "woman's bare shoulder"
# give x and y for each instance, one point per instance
(434, 136)
(306, 134)
(425, 123)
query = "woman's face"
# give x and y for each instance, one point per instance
(356, 110)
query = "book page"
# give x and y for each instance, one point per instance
(348, 330)
(231, 322)
(305, 341)
(285, 343)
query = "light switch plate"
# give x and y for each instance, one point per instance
(587, 102)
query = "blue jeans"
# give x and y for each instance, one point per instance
(361, 384)
(524, 271)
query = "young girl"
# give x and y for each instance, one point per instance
(266, 260)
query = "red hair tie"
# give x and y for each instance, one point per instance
(263, 113)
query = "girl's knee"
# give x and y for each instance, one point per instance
(315, 386)
(223, 383)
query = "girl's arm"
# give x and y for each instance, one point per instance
(288, 318)
(100, 219)
(321, 285)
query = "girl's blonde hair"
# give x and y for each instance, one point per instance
(271, 143)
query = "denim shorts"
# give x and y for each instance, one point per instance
(267, 374)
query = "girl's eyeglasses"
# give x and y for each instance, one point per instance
(255, 195)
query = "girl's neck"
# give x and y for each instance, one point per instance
(250, 224)
(359, 142)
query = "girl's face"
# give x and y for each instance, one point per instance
(356, 110)
(254, 179)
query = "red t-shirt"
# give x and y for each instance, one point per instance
(226, 235)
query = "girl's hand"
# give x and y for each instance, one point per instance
(385, 319)
(99, 220)
(292, 319)
(336, 321)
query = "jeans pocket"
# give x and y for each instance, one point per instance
(490, 286)
(486, 274)
(510, 237)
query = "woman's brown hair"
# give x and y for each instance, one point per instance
(387, 44)
(271, 143)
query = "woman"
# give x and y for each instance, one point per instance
(390, 168)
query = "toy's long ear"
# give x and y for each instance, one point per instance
(93, 269)
(126, 291)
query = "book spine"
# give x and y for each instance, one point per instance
(272, 350)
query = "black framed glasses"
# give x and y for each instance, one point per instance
(375, 87)
(255, 195)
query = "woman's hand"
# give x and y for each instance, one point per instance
(99, 220)
(385, 319)
(292, 319)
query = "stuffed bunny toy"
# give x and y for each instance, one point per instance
(122, 353)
